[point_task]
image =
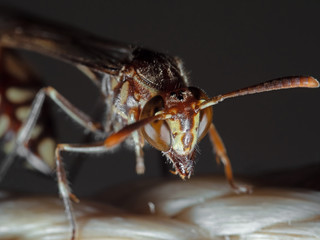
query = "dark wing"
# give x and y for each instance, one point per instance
(67, 44)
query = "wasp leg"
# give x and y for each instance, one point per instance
(34, 160)
(25, 132)
(77, 115)
(138, 144)
(222, 156)
(64, 189)
(110, 142)
(137, 138)
(107, 91)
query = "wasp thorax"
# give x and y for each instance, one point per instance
(178, 135)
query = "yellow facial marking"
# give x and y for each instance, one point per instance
(184, 137)
(194, 130)
(46, 151)
(18, 95)
(4, 124)
(22, 113)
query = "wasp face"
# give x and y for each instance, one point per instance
(178, 135)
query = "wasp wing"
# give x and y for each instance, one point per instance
(91, 54)
(68, 44)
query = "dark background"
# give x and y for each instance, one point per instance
(225, 45)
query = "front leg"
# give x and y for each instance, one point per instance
(222, 156)
(110, 142)
(64, 189)
(138, 142)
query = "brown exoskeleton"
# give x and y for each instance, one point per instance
(147, 97)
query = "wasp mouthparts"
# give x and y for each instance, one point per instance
(183, 164)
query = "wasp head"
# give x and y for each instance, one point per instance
(178, 135)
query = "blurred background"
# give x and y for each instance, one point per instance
(225, 45)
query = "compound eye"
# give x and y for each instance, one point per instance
(205, 114)
(205, 121)
(158, 135)
(158, 132)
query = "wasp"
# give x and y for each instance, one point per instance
(147, 97)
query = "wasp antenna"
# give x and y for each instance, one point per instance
(276, 84)
(120, 136)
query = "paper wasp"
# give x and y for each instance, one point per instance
(147, 98)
